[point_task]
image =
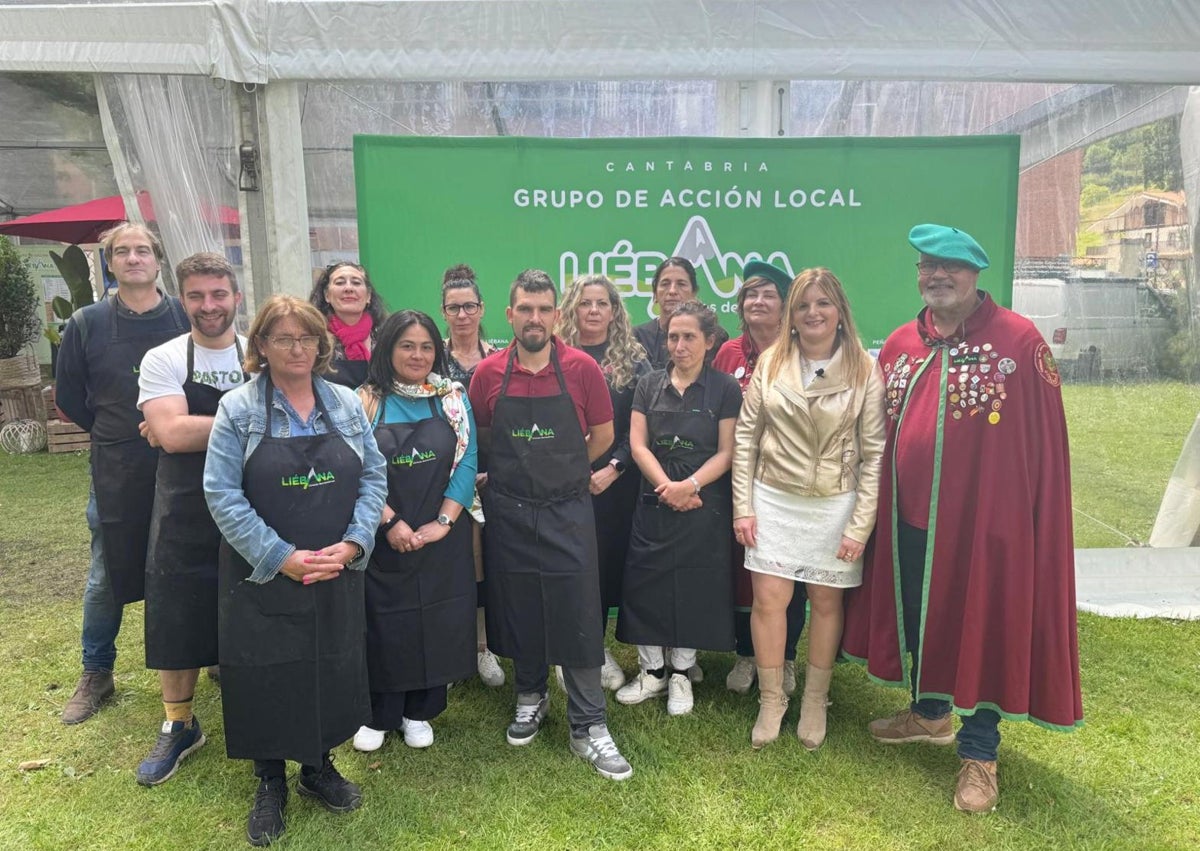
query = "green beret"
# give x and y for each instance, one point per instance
(948, 244)
(762, 269)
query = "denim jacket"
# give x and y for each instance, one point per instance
(239, 426)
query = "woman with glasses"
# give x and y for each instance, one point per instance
(462, 308)
(421, 579)
(805, 484)
(593, 318)
(345, 296)
(296, 484)
(677, 587)
(760, 309)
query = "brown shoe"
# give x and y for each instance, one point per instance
(978, 790)
(95, 687)
(907, 726)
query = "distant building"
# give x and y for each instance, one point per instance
(1146, 237)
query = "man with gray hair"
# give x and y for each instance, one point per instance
(97, 387)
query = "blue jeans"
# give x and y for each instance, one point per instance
(101, 613)
(979, 736)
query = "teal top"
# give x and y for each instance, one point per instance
(461, 487)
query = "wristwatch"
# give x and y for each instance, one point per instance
(444, 520)
(618, 465)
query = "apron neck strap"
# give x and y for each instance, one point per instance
(512, 355)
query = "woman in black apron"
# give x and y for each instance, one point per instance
(463, 309)
(295, 483)
(354, 311)
(420, 593)
(677, 590)
(594, 319)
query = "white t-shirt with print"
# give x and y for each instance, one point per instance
(164, 368)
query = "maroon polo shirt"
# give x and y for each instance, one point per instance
(584, 380)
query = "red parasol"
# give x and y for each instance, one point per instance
(81, 224)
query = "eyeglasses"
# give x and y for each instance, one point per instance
(950, 267)
(286, 342)
(468, 307)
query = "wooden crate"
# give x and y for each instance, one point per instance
(66, 437)
(22, 403)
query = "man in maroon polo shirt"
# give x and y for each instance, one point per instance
(544, 414)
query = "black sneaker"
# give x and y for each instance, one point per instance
(335, 792)
(531, 712)
(266, 822)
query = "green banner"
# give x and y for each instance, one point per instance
(621, 206)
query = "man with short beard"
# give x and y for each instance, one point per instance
(181, 383)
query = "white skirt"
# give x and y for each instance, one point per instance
(799, 537)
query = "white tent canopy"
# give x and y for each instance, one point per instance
(261, 41)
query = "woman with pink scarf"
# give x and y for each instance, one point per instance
(354, 312)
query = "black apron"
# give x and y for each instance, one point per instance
(540, 537)
(181, 561)
(123, 472)
(613, 509)
(420, 605)
(348, 373)
(293, 663)
(678, 585)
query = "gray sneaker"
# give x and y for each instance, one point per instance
(531, 711)
(598, 748)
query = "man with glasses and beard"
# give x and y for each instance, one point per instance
(180, 384)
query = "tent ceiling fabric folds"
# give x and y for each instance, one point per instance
(258, 41)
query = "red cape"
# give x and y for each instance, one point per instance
(998, 621)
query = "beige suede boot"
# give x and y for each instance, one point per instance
(772, 704)
(811, 728)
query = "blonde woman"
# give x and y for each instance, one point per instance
(594, 319)
(806, 466)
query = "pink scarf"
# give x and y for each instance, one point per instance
(353, 337)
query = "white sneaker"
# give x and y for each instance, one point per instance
(741, 678)
(558, 676)
(367, 739)
(695, 674)
(489, 668)
(642, 687)
(611, 675)
(417, 734)
(679, 695)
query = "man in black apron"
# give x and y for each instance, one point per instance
(97, 387)
(181, 383)
(544, 414)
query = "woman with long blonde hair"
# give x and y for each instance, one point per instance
(593, 318)
(806, 466)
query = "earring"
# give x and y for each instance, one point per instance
(839, 326)
(793, 332)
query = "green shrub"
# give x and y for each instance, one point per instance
(20, 324)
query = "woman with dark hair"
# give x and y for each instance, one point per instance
(760, 309)
(806, 486)
(593, 318)
(674, 283)
(420, 584)
(677, 592)
(345, 296)
(295, 483)
(462, 308)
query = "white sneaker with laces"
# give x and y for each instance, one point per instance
(642, 687)
(598, 748)
(367, 739)
(489, 668)
(679, 695)
(742, 676)
(418, 734)
(611, 675)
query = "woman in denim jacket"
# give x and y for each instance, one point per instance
(296, 485)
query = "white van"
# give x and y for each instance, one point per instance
(1097, 328)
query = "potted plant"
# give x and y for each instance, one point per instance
(20, 324)
(73, 266)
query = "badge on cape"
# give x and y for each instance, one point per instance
(1043, 361)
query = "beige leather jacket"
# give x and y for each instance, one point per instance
(822, 441)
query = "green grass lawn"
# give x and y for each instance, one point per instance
(1130, 779)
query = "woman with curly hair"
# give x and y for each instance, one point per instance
(354, 311)
(594, 319)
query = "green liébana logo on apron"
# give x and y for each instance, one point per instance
(413, 458)
(535, 432)
(674, 442)
(311, 480)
